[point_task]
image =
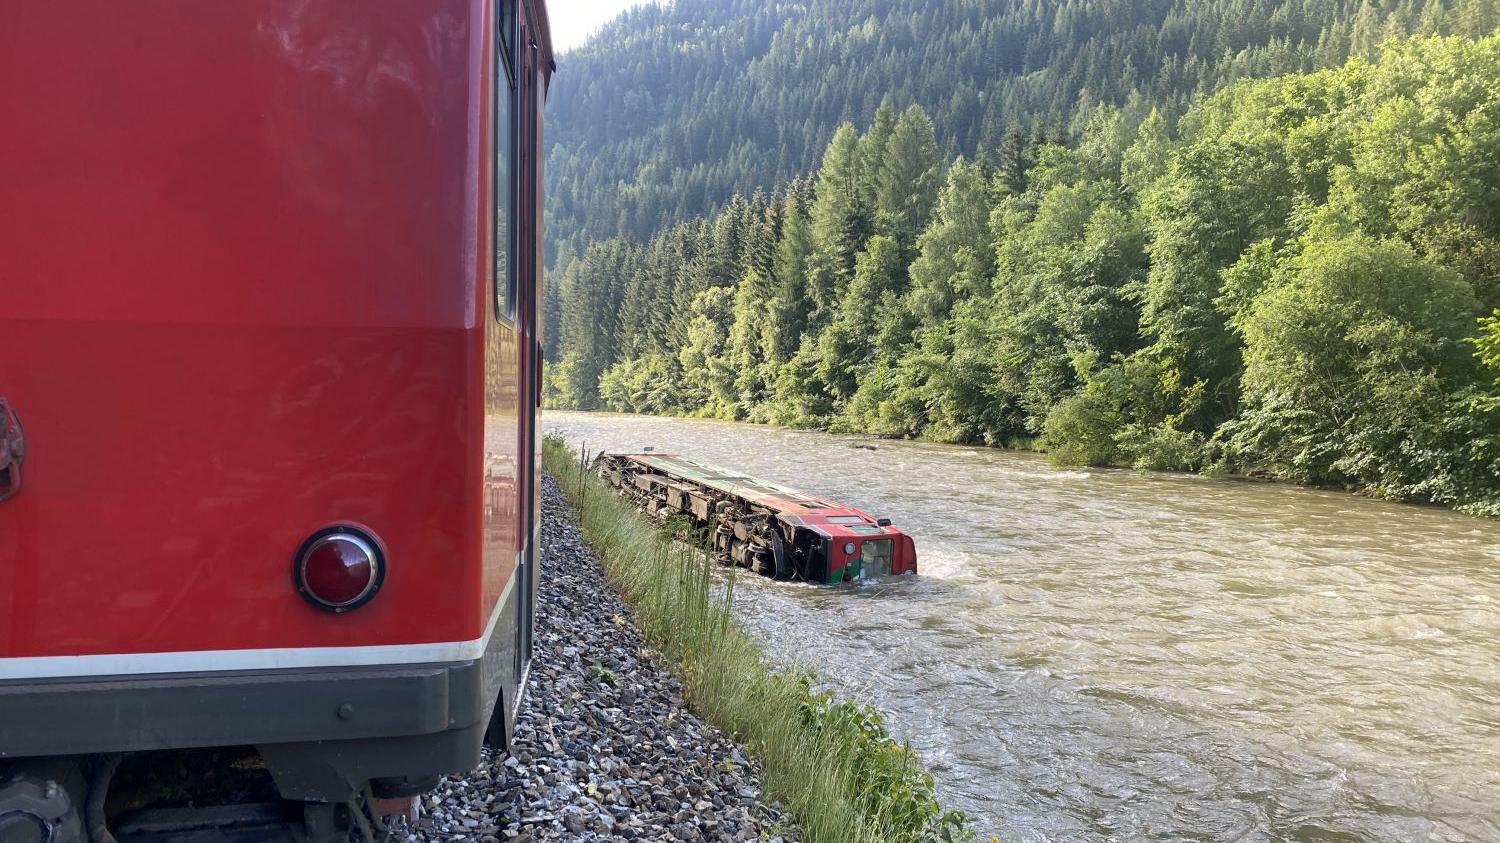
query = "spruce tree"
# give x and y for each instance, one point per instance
(1146, 159)
(839, 218)
(872, 154)
(1015, 162)
(956, 256)
(908, 179)
(788, 309)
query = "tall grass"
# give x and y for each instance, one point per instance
(832, 764)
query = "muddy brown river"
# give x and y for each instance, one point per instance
(1109, 655)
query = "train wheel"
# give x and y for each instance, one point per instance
(189, 795)
(36, 809)
(370, 826)
(765, 563)
(355, 820)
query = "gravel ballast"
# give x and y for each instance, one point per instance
(605, 748)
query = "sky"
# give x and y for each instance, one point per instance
(573, 21)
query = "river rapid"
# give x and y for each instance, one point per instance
(1110, 655)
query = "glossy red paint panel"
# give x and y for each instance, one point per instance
(906, 556)
(239, 302)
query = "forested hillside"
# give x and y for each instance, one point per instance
(1294, 280)
(673, 109)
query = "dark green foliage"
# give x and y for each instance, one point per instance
(841, 218)
(1294, 284)
(1357, 374)
(1015, 162)
(590, 328)
(1488, 344)
(787, 312)
(849, 342)
(888, 777)
(956, 257)
(674, 108)
(907, 181)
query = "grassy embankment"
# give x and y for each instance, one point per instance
(832, 764)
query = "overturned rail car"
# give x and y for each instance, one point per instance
(773, 530)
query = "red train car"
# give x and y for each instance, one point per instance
(756, 524)
(269, 365)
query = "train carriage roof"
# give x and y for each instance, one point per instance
(753, 489)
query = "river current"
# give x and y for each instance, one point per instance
(1109, 655)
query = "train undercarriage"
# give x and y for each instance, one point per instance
(217, 795)
(773, 530)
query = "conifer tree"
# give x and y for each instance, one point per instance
(847, 345)
(908, 179)
(956, 256)
(745, 353)
(1015, 162)
(787, 311)
(1146, 159)
(840, 221)
(872, 154)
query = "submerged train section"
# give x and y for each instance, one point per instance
(776, 531)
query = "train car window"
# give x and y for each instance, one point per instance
(506, 135)
(505, 18)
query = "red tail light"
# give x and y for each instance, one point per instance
(339, 568)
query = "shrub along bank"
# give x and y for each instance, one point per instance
(832, 764)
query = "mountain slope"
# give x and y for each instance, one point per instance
(670, 110)
(1295, 278)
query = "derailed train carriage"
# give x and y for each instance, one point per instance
(269, 371)
(771, 529)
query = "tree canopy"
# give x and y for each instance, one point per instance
(674, 108)
(1299, 275)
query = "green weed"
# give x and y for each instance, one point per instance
(832, 764)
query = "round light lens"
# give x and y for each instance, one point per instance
(848, 548)
(339, 569)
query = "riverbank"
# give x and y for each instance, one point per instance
(1162, 462)
(605, 746)
(1070, 662)
(833, 763)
